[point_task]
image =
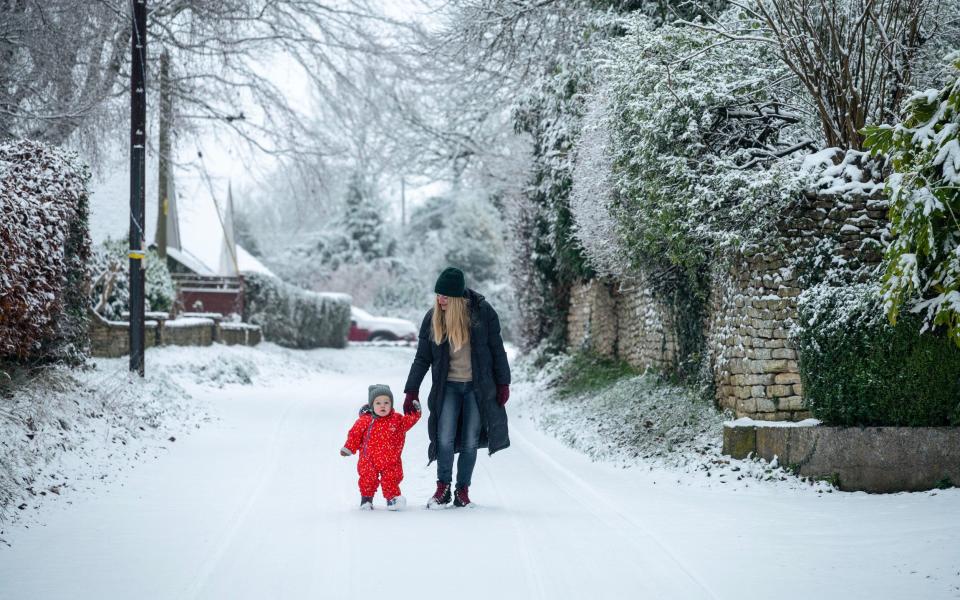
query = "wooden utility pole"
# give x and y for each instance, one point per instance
(165, 147)
(138, 148)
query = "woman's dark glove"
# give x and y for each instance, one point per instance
(503, 394)
(411, 403)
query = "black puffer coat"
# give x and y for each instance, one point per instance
(490, 368)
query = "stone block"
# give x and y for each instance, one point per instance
(784, 353)
(786, 378)
(739, 442)
(771, 366)
(792, 403)
(766, 405)
(870, 459)
(779, 391)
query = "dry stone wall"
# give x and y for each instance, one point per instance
(623, 320)
(752, 305)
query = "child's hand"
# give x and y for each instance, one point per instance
(413, 406)
(365, 410)
(345, 451)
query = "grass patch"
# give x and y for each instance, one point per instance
(589, 372)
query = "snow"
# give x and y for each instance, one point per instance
(257, 503)
(748, 422)
(249, 263)
(188, 322)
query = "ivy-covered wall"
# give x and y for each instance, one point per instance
(749, 355)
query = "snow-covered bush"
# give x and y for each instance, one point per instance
(293, 317)
(923, 262)
(858, 369)
(109, 273)
(697, 145)
(44, 246)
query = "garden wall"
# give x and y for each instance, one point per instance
(111, 339)
(751, 308)
(869, 459)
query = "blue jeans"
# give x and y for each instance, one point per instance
(459, 401)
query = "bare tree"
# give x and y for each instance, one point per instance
(65, 64)
(855, 58)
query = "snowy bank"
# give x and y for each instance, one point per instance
(642, 422)
(62, 429)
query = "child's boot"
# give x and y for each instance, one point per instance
(461, 497)
(441, 497)
(366, 502)
(396, 503)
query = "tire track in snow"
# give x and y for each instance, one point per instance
(612, 508)
(532, 572)
(228, 538)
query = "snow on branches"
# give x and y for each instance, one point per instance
(923, 262)
(699, 141)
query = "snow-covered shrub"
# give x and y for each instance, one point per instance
(858, 369)
(293, 317)
(44, 246)
(110, 281)
(697, 145)
(592, 195)
(923, 262)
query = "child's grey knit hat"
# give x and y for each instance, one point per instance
(379, 389)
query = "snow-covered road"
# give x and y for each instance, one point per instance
(258, 504)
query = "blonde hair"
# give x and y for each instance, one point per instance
(453, 323)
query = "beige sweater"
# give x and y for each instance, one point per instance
(460, 366)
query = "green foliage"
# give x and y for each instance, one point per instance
(923, 262)
(859, 370)
(589, 372)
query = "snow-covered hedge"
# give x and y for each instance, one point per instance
(110, 277)
(44, 247)
(293, 317)
(859, 370)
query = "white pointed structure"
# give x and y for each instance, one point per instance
(172, 218)
(228, 251)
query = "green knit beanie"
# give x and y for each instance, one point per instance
(451, 283)
(378, 389)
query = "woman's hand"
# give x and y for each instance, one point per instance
(411, 403)
(503, 394)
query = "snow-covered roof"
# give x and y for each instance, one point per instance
(201, 229)
(190, 261)
(249, 263)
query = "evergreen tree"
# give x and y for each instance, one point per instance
(363, 222)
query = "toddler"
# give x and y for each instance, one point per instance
(378, 435)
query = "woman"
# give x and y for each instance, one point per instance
(460, 344)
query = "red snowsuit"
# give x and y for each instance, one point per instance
(379, 441)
